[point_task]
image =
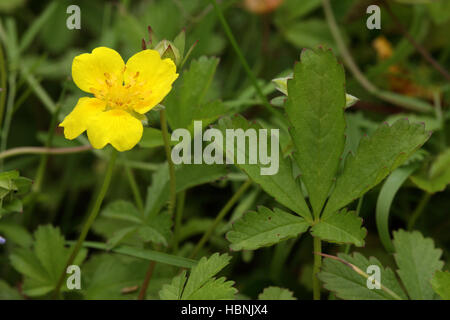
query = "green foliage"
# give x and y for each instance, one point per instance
(417, 260)
(441, 284)
(282, 185)
(276, 293)
(376, 157)
(315, 108)
(42, 265)
(437, 176)
(264, 228)
(201, 284)
(12, 187)
(341, 227)
(349, 285)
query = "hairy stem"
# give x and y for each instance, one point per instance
(220, 217)
(90, 220)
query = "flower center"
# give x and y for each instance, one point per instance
(120, 95)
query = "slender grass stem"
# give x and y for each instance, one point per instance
(242, 59)
(316, 268)
(9, 111)
(148, 276)
(220, 217)
(419, 209)
(173, 184)
(172, 197)
(2, 85)
(135, 189)
(42, 150)
(178, 219)
(90, 220)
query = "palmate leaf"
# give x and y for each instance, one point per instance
(264, 228)
(315, 108)
(341, 227)
(43, 265)
(376, 157)
(201, 284)
(417, 260)
(441, 284)
(347, 284)
(276, 293)
(282, 185)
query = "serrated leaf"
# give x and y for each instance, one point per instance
(43, 266)
(281, 185)
(376, 157)
(276, 293)
(204, 271)
(349, 285)
(441, 284)
(201, 284)
(417, 260)
(341, 227)
(264, 228)
(315, 108)
(174, 290)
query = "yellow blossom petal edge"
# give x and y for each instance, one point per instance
(122, 94)
(85, 110)
(117, 127)
(90, 71)
(150, 76)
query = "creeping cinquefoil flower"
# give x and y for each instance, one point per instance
(122, 94)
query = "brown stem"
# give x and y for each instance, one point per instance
(427, 56)
(148, 276)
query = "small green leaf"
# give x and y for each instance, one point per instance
(441, 284)
(315, 108)
(376, 157)
(341, 227)
(265, 228)
(417, 260)
(437, 177)
(8, 293)
(276, 293)
(201, 284)
(349, 285)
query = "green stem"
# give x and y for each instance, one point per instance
(135, 189)
(9, 111)
(419, 209)
(220, 217)
(42, 150)
(90, 220)
(178, 219)
(242, 59)
(173, 184)
(316, 268)
(2, 85)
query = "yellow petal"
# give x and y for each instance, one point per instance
(151, 76)
(76, 122)
(116, 127)
(92, 70)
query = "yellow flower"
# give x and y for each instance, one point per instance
(123, 93)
